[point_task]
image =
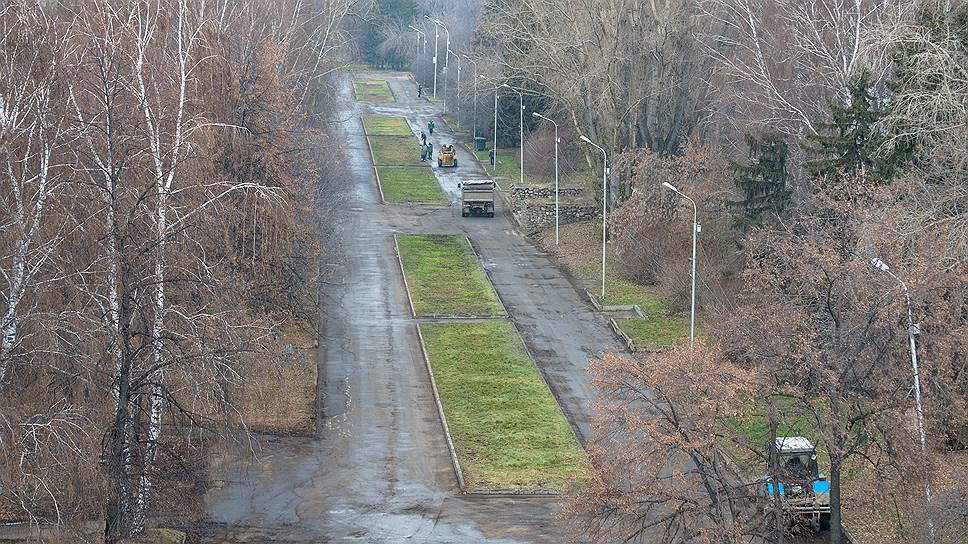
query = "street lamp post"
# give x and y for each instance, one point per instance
(539, 116)
(604, 203)
(446, 58)
(474, 62)
(913, 331)
(436, 39)
(458, 86)
(493, 145)
(696, 229)
(420, 34)
(520, 128)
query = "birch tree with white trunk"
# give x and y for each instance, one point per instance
(34, 131)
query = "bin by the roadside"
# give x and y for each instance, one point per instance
(480, 144)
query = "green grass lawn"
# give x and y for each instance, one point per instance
(395, 150)
(445, 278)
(410, 184)
(386, 125)
(508, 164)
(372, 91)
(507, 428)
(659, 328)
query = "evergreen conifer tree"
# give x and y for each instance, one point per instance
(851, 144)
(762, 180)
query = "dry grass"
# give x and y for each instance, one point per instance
(279, 394)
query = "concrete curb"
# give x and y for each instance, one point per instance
(396, 249)
(440, 412)
(614, 307)
(621, 334)
(376, 174)
(487, 276)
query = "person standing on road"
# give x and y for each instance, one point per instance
(419, 90)
(490, 155)
(430, 151)
(423, 138)
(423, 152)
(430, 127)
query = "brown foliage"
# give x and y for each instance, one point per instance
(655, 470)
(652, 228)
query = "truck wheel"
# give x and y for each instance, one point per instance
(824, 522)
(455, 163)
(490, 214)
(464, 214)
(440, 163)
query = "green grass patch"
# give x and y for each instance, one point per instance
(659, 328)
(372, 90)
(654, 332)
(410, 184)
(507, 428)
(445, 278)
(386, 125)
(508, 164)
(395, 150)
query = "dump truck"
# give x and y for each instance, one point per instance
(477, 198)
(447, 156)
(803, 491)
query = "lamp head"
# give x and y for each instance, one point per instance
(583, 138)
(535, 114)
(880, 265)
(669, 186)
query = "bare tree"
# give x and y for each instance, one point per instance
(34, 132)
(657, 472)
(780, 64)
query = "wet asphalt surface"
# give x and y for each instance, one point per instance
(378, 468)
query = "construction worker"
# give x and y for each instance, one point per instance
(430, 151)
(423, 153)
(423, 138)
(419, 90)
(430, 127)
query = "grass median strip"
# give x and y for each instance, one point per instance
(507, 428)
(372, 91)
(410, 185)
(395, 151)
(445, 277)
(386, 125)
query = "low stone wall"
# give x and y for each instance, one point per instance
(536, 217)
(533, 211)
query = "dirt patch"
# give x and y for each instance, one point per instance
(279, 394)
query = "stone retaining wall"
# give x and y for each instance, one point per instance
(531, 208)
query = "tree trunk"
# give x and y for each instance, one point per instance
(836, 529)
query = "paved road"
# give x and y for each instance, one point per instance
(378, 469)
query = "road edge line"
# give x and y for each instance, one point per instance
(440, 412)
(403, 272)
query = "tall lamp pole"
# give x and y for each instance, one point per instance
(913, 331)
(458, 86)
(494, 145)
(446, 59)
(436, 39)
(420, 34)
(604, 203)
(520, 128)
(474, 62)
(539, 116)
(696, 229)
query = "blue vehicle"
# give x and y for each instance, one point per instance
(803, 490)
